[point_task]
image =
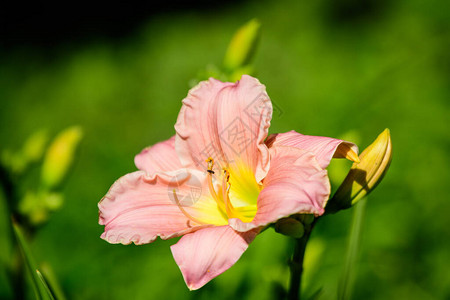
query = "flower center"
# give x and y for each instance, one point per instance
(224, 203)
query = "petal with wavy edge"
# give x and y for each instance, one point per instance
(160, 157)
(140, 207)
(227, 122)
(209, 252)
(295, 184)
(324, 148)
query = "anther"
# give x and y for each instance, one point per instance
(225, 190)
(210, 162)
(226, 174)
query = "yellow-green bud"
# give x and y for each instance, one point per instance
(52, 201)
(59, 157)
(32, 207)
(34, 146)
(31, 152)
(290, 227)
(242, 46)
(364, 176)
(237, 74)
(37, 206)
(306, 219)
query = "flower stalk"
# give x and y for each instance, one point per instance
(366, 173)
(296, 264)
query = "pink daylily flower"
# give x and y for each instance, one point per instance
(219, 181)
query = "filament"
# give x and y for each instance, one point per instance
(185, 212)
(224, 204)
(226, 185)
(210, 162)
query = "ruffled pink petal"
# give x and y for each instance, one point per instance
(324, 148)
(227, 122)
(140, 207)
(209, 252)
(295, 184)
(160, 157)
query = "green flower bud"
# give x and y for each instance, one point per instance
(34, 146)
(364, 176)
(242, 46)
(53, 201)
(237, 74)
(290, 227)
(36, 207)
(32, 207)
(306, 219)
(59, 157)
(32, 150)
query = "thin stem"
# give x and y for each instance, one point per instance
(296, 264)
(8, 189)
(15, 269)
(347, 282)
(17, 274)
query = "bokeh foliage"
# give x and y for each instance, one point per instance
(329, 66)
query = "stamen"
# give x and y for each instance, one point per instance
(210, 162)
(185, 212)
(226, 185)
(224, 204)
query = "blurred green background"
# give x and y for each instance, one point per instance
(331, 67)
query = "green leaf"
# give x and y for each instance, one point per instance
(39, 285)
(49, 293)
(52, 281)
(316, 295)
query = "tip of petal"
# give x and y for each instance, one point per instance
(348, 151)
(351, 155)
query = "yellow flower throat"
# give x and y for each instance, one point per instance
(218, 208)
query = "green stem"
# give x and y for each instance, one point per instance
(17, 274)
(347, 281)
(296, 264)
(15, 269)
(8, 189)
